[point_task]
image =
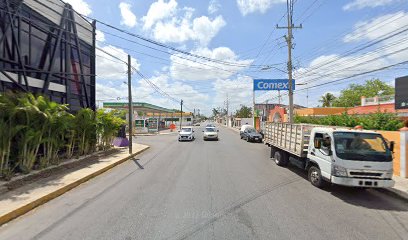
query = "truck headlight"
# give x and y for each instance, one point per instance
(388, 174)
(339, 171)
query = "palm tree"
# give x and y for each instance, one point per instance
(327, 100)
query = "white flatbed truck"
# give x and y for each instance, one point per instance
(337, 155)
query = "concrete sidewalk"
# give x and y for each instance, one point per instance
(401, 184)
(400, 188)
(162, 132)
(21, 200)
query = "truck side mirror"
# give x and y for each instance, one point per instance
(392, 143)
(317, 144)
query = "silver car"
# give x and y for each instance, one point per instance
(186, 134)
(210, 133)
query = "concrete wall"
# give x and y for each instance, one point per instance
(320, 111)
(394, 136)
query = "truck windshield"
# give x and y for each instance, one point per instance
(361, 146)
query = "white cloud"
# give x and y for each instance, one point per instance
(100, 36)
(184, 69)
(108, 67)
(143, 92)
(360, 4)
(80, 6)
(128, 17)
(251, 6)
(383, 26)
(159, 10)
(213, 6)
(377, 27)
(239, 92)
(168, 23)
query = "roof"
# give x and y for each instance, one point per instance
(137, 106)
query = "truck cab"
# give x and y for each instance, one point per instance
(348, 157)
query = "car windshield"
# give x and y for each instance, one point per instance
(185, 130)
(210, 130)
(251, 130)
(361, 146)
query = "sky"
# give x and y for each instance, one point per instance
(232, 42)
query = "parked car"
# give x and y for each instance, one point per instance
(186, 134)
(245, 126)
(251, 135)
(197, 124)
(210, 133)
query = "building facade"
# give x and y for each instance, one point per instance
(47, 48)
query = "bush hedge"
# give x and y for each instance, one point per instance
(376, 121)
(36, 132)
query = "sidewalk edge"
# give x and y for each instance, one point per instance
(40, 201)
(395, 193)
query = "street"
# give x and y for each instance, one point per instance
(226, 189)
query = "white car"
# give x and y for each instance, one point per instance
(210, 133)
(186, 134)
(244, 127)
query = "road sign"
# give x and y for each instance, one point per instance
(272, 84)
(401, 93)
(139, 123)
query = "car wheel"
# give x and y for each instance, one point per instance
(280, 158)
(315, 177)
(240, 136)
(247, 139)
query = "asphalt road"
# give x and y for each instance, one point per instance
(228, 189)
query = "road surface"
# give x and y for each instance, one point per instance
(210, 190)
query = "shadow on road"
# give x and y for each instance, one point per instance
(368, 198)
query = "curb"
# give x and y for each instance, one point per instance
(30, 206)
(395, 193)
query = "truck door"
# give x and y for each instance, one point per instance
(321, 154)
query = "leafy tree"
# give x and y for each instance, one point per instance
(327, 100)
(215, 111)
(351, 96)
(244, 112)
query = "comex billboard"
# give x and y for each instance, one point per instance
(272, 84)
(401, 93)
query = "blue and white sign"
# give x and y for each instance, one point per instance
(272, 84)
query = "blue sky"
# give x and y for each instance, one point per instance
(241, 33)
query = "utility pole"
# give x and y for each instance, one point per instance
(181, 112)
(227, 102)
(130, 104)
(289, 5)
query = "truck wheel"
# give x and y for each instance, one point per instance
(281, 159)
(315, 177)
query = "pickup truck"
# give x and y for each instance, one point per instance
(337, 155)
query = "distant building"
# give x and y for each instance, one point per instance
(47, 48)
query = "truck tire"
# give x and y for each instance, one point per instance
(281, 158)
(315, 177)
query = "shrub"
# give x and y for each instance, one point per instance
(376, 121)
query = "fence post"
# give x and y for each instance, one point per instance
(404, 152)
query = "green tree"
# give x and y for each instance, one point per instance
(243, 112)
(215, 111)
(327, 100)
(351, 96)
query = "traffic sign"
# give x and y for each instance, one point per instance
(272, 84)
